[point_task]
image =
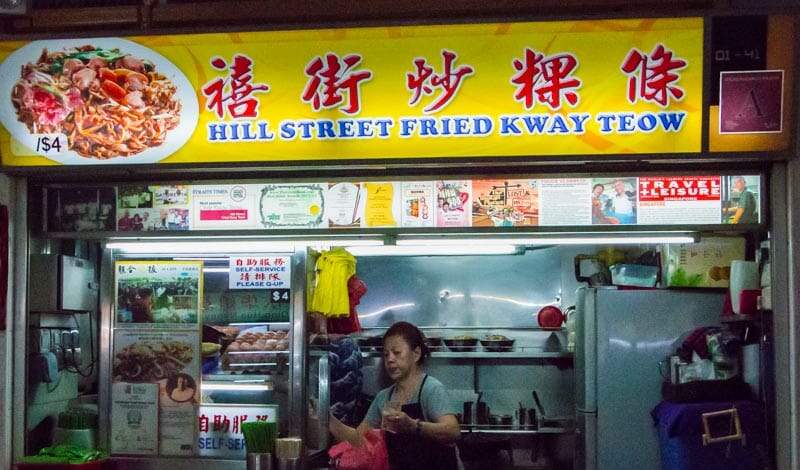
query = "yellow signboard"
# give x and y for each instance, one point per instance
(489, 90)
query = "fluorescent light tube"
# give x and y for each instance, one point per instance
(549, 239)
(174, 246)
(236, 386)
(216, 270)
(434, 250)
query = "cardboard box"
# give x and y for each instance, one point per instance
(703, 264)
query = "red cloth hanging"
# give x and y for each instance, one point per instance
(349, 324)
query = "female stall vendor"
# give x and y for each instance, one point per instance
(415, 411)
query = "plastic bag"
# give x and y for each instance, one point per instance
(373, 455)
(699, 369)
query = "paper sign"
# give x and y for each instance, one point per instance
(134, 418)
(220, 428)
(260, 272)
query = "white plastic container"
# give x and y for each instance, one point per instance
(744, 276)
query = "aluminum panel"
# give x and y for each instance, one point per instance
(636, 329)
(459, 291)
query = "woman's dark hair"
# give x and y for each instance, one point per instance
(411, 335)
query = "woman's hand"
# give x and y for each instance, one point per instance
(400, 422)
(444, 431)
(342, 432)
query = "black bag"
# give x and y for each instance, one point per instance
(706, 390)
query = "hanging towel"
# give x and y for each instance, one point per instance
(334, 269)
(350, 324)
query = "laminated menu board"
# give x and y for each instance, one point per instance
(703, 264)
(158, 293)
(170, 362)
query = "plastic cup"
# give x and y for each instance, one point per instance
(744, 276)
(388, 415)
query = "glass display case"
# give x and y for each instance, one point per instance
(201, 341)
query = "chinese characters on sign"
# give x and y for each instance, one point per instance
(653, 77)
(338, 82)
(621, 87)
(260, 272)
(220, 428)
(234, 94)
(423, 81)
(546, 80)
(334, 83)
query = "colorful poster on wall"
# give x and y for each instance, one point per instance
(751, 102)
(392, 92)
(153, 208)
(418, 209)
(679, 200)
(752, 82)
(170, 360)
(224, 207)
(741, 199)
(158, 293)
(220, 428)
(453, 203)
(614, 201)
(505, 203)
(138, 210)
(381, 208)
(703, 264)
(651, 200)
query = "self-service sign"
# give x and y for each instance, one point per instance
(220, 428)
(260, 272)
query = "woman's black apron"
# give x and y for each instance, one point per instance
(410, 451)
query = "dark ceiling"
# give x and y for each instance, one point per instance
(93, 17)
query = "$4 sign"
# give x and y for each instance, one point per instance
(280, 296)
(49, 144)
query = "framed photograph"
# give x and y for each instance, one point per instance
(158, 293)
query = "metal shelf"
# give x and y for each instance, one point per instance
(522, 353)
(488, 429)
(739, 318)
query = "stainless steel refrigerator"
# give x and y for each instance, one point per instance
(621, 337)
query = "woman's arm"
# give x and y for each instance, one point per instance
(443, 431)
(342, 432)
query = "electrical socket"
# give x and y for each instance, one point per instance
(66, 339)
(41, 341)
(47, 370)
(59, 353)
(72, 358)
(55, 339)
